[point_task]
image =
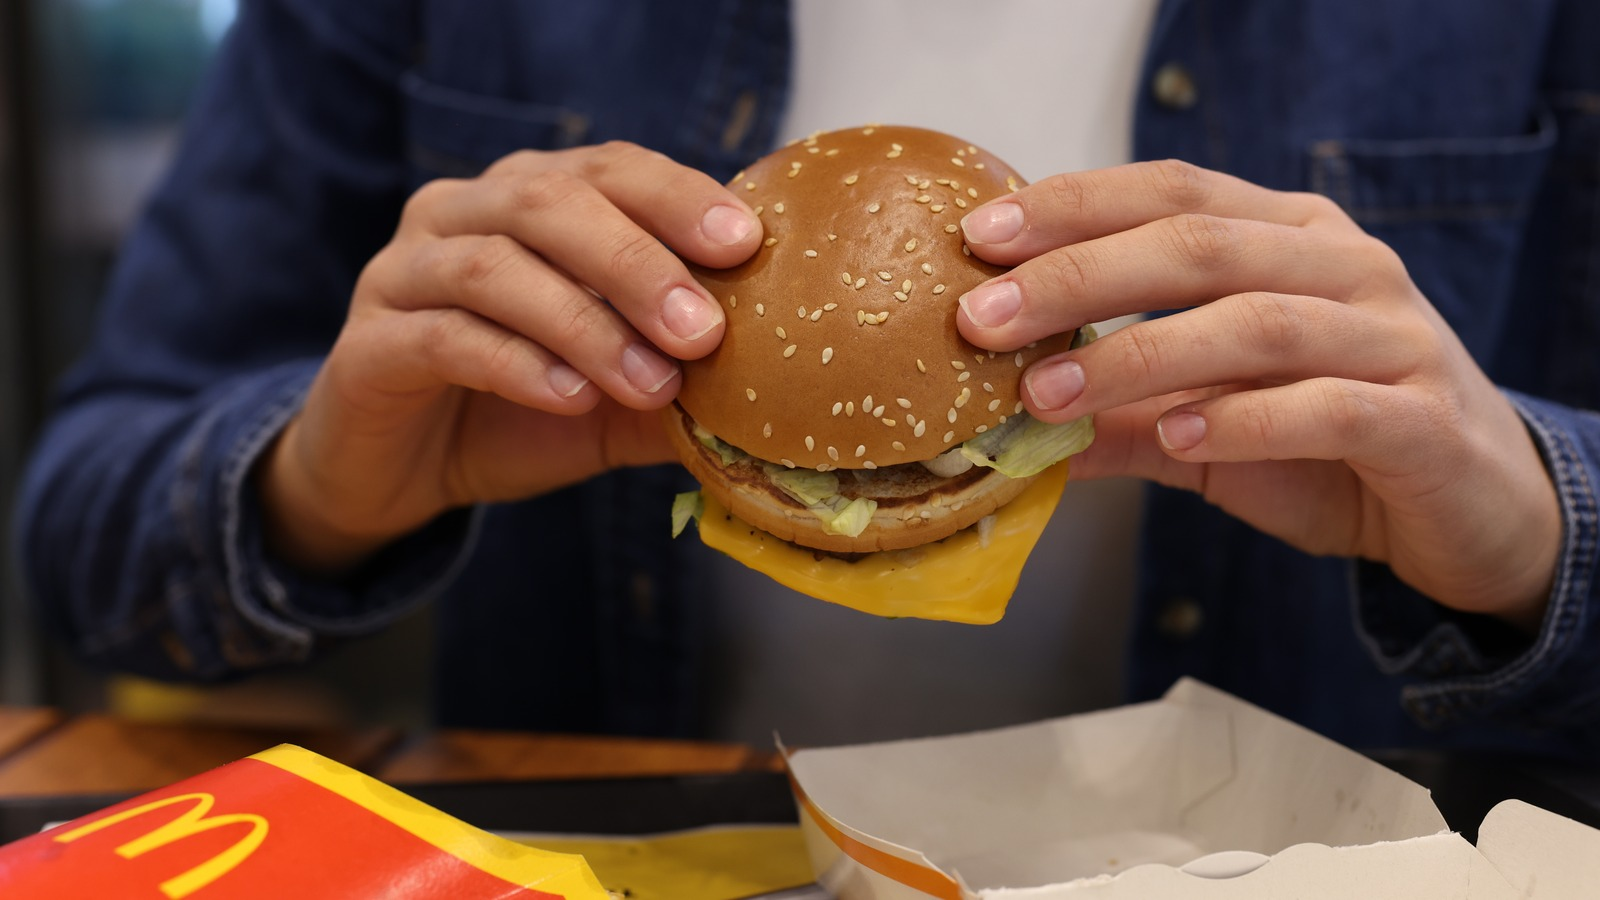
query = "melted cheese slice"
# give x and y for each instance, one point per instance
(954, 580)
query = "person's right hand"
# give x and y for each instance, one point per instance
(478, 362)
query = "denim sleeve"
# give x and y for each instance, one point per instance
(139, 536)
(1472, 667)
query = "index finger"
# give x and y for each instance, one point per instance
(1079, 206)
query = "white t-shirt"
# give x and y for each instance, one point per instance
(1048, 86)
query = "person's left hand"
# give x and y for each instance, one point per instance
(1311, 391)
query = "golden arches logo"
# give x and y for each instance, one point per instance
(193, 821)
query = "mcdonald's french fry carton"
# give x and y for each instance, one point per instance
(1198, 796)
(284, 823)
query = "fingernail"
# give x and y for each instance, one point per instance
(565, 380)
(1054, 385)
(993, 224)
(646, 370)
(689, 315)
(992, 305)
(727, 225)
(1181, 431)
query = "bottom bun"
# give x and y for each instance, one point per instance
(915, 506)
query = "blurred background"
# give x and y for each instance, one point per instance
(92, 98)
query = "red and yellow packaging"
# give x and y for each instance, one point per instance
(283, 823)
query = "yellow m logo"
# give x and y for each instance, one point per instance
(193, 821)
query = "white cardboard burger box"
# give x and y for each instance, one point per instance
(1198, 795)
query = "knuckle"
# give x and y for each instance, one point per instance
(634, 257)
(1318, 207)
(1141, 352)
(1277, 325)
(613, 155)
(1206, 241)
(1346, 411)
(1071, 271)
(577, 318)
(1070, 195)
(486, 262)
(424, 198)
(1181, 184)
(541, 191)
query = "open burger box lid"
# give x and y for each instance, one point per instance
(1197, 795)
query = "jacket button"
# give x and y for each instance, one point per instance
(1180, 619)
(1173, 87)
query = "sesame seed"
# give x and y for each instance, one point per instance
(904, 403)
(789, 350)
(1002, 420)
(878, 410)
(988, 387)
(827, 355)
(782, 335)
(816, 314)
(926, 514)
(960, 203)
(924, 198)
(951, 229)
(911, 245)
(833, 454)
(972, 192)
(949, 436)
(994, 404)
(833, 152)
(901, 296)
(850, 408)
(883, 317)
(957, 364)
(830, 307)
(749, 185)
(869, 129)
(927, 268)
(874, 207)
(861, 317)
(922, 427)
(1018, 360)
(936, 208)
(789, 463)
(886, 421)
(896, 147)
(761, 309)
(981, 429)
(860, 283)
(851, 179)
(777, 208)
(906, 285)
(867, 403)
(955, 185)
(811, 254)
(800, 313)
(979, 166)
(769, 242)
(844, 277)
(861, 450)
(766, 430)
(869, 464)
(965, 250)
(963, 397)
(751, 393)
(892, 154)
(1017, 410)
(957, 161)
(837, 407)
(813, 150)
(898, 446)
(960, 152)
(911, 180)
(938, 289)
(973, 150)
(832, 236)
(733, 302)
(963, 377)
(811, 443)
(922, 368)
(910, 419)
(885, 276)
(1011, 182)
(759, 209)
(951, 416)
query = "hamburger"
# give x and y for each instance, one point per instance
(848, 441)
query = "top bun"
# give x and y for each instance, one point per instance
(841, 348)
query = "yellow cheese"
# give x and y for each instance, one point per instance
(954, 580)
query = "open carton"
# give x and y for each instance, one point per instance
(1198, 795)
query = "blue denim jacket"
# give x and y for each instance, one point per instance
(1467, 135)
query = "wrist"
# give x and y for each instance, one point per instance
(298, 525)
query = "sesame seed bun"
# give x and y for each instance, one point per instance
(841, 350)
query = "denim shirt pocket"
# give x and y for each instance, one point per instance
(1455, 209)
(450, 133)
